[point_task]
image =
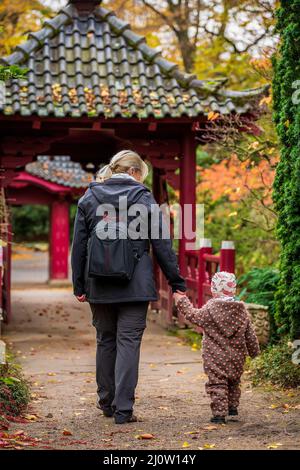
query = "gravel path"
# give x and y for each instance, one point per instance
(54, 341)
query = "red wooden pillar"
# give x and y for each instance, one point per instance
(59, 240)
(187, 194)
(206, 248)
(227, 257)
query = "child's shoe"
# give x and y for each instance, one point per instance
(233, 412)
(218, 420)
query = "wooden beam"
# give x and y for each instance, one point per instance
(32, 145)
(152, 126)
(165, 163)
(36, 124)
(14, 161)
(97, 126)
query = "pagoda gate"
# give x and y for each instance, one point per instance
(95, 87)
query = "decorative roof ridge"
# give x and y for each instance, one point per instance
(251, 92)
(36, 39)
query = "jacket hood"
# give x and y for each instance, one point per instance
(112, 189)
(229, 316)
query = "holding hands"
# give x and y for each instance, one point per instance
(178, 295)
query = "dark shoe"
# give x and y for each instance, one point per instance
(233, 412)
(124, 420)
(107, 412)
(218, 420)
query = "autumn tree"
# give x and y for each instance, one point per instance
(231, 26)
(7, 72)
(17, 19)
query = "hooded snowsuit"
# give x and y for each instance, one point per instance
(228, 338)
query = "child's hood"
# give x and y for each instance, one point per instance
(228, 315)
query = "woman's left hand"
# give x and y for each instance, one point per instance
(81, 298)
(178, 295)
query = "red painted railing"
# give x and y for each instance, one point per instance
(200, 266)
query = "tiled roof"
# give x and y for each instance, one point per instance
(60, 170)
(94, 65)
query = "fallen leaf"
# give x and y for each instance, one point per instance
(274, 445)
(144, 436)
(210, 428)
(209, 446)
(51, 374)
(212, 116)
(31, 417)
(186, 444)
(66, 432)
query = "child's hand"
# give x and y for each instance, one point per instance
(178, 295)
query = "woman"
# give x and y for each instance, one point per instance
(119, 308)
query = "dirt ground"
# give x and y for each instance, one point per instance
(52, 336)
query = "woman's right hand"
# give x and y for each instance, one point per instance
(81, 298)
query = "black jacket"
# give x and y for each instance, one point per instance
(142, 285)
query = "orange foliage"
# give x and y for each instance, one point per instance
(237, 179)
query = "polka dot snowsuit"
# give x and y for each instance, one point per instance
(228, 338)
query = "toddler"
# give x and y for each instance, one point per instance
(228, 338)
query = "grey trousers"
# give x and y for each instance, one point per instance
(119, 331)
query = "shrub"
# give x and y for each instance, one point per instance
(274, 366)
(286, 185)
(14, 390)
(259, 286)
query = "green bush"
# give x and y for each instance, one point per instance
(30, 223)
(14, 390)
(259, 286)
(286, 185)
(274, 366)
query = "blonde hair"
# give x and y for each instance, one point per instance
(121, 162)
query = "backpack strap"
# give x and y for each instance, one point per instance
(140, 249)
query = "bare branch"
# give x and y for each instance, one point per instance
(162, 15)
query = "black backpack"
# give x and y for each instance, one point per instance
(114, 257)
